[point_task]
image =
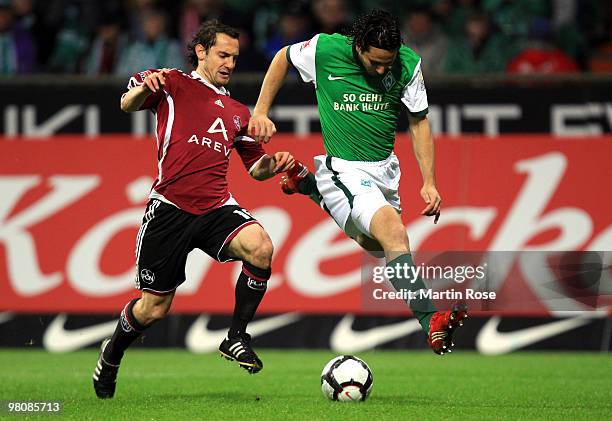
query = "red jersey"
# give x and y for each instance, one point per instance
(198, 125)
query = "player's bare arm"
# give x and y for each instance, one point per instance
(269, 166)
(135, 97)
(422, 144)
(261, 128)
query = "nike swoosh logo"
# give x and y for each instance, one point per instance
(330, 77)
(58, 339)
(5, 316)
(491, 341)
(201, 339)
(345, 340)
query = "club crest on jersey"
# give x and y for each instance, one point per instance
(237, 122)
(144, 74)
(388, 81)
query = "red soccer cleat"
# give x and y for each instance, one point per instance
(442, 326)
(289, 183)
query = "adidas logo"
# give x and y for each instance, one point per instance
(237, 349)
(219, 103)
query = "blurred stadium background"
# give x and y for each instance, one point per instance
(519, 96)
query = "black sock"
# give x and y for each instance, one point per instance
(308, 185)
(127, 330)
(250, 289)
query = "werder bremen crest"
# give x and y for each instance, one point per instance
(388, 81)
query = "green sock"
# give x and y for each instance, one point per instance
(423, 308)
(308, 186)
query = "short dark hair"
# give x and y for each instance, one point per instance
(207, 36)
(379, 29)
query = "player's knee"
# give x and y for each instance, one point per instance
(261, 254)
(394, 239)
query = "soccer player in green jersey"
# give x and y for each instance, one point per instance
(363, 81)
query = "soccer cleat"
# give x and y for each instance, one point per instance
(105, 376)
(442, 326)
(290, 182)
(239, 350)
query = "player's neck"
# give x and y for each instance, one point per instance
(207, 78)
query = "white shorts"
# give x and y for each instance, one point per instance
(354, 190)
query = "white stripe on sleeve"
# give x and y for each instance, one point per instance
(414, 95)
(303, 58)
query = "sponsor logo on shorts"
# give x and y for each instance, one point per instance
(257, 285)
(147, 276)
(366, 183)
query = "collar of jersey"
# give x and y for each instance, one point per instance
(220, 91)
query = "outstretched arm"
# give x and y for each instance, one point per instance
(269, 166)
(422, 143)
(261, 128)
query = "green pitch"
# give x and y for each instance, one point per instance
(407, 385)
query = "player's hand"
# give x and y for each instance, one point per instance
(430, 195)
(155, 81)
(284, 161)
(261, 128)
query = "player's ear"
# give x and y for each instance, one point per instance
(200, 52)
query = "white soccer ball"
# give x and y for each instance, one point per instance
(346, 378)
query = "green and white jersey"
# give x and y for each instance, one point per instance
(359, 112)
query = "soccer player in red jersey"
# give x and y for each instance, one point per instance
(198, 126)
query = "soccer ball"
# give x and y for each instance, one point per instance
(346, 378)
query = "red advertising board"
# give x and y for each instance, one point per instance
(70, 209)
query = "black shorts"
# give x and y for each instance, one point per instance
(168, 234)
